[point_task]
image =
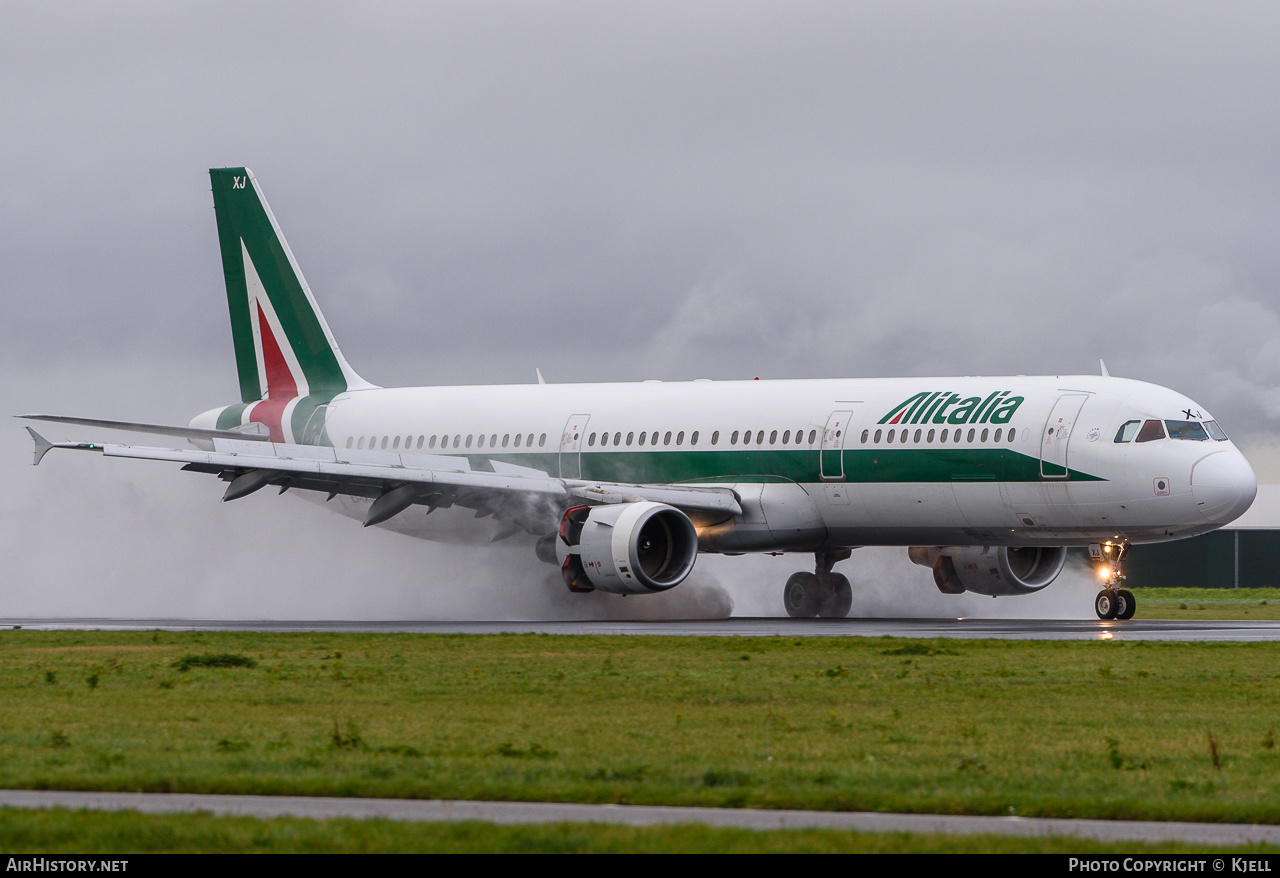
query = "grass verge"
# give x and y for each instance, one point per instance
(74, 832)
(1134, 730)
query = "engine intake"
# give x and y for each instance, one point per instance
(991, 570)
(626, 548)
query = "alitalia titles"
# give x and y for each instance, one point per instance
(945, 407)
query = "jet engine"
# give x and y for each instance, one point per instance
(991, 570)
(626, 548)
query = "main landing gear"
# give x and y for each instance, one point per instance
(821, 593)
(1113, 602)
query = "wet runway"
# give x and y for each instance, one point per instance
(1005, 629)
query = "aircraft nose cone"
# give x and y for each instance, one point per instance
(1223, 485)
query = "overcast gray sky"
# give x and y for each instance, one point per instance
(612, 191)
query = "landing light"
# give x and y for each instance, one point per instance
(1104, 573)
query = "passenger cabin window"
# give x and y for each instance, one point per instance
(542, 440)
(1151, 431)
(715, 437)
(693, 440)
(1187, 430)
(813, 434)
(630, 438)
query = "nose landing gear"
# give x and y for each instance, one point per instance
(821, 593)
(1113, 602)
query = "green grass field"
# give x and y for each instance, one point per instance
(54, 832)
(1132, 730)
(1257, 604)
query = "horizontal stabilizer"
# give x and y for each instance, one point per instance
(255, 433)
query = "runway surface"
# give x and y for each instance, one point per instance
(419, 810)
(1004, 629)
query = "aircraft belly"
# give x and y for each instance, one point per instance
(909, 505)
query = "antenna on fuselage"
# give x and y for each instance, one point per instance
(1103, 364)
(541, 380)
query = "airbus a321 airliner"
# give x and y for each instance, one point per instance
(987, 480)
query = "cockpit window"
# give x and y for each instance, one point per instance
(1215, 431)
(1187, 430)
(1151, 431)
(1127, 431)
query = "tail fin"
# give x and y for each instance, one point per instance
(284, 348)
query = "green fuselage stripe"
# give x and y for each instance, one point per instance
(878, 465)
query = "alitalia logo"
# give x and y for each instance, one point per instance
(945, 407)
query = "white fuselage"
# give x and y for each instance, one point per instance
(1025, 460)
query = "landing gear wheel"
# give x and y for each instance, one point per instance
(1106, 604)
(1126, 604)
(802, 595)
(837, 595)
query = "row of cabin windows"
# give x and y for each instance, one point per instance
(656, 438)
(393, 443)
(928, 437)
(747, 437)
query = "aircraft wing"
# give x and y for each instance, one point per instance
(519, 498)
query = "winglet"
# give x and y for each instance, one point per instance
(541, 380)
(42, 446)
(1103, 364)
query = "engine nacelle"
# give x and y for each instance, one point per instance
(991, 570)
(626, 548)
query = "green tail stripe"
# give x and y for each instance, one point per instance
(230, 416)
(308, 420)
(242, 216)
